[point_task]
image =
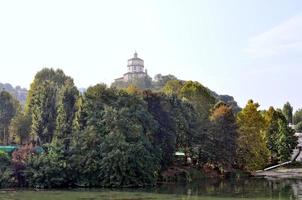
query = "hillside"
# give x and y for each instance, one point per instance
(160, 81)
(18, 92)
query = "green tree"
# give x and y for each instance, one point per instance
(173, 87)
(9, 107)
(52, 169)
(66, 111)
(178, 125)
(79, 121)
(6, 173)
(165, 138)
(298, 127)
(56, 77)
(19, 129)
(298, 116)
(128, 155)
(272, 127)
(280, 137)
(286, 142)
(162, 80)
(252, 151)
(200, 97)
(44, 112)
(116, 144)
(50, 103)
(288, 112)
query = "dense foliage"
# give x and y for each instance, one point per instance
(298, 127)
(224, 134)
(288, 112)
(111, 137)
(253, 153)
(280, 137)
(8, 109)
(298, 116)
(6, 174)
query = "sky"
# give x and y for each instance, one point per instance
(249, 49)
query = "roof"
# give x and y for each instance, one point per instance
(117, 79)
(135, 73)
(8, 149)
(135, 57)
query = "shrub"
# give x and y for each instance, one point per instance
(6, 174)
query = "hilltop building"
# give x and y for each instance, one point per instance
(135, 69)
(136, 74)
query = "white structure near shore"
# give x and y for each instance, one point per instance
(299, 158)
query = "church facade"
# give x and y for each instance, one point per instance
(135, 70)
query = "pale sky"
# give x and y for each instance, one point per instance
(250, 49)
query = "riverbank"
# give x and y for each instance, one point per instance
(291, 171)
(281, 173)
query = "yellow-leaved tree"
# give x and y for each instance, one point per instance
(252, 152)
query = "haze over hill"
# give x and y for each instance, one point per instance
(157, 84)
(17, 92)
(249, 49)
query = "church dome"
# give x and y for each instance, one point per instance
(136, 61)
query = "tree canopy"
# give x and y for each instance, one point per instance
(8, 109)
(280, 137)
(110, 137)
(252, 151)
(288, 112)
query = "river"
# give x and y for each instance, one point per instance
(209, 189)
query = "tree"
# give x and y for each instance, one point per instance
(288, 112)
(272, 127)
(43, 112)
(56, 77)
(178, 126)
(252, 150)
(116, 145)
(128, 155)
(19, 129)
(298, 127)
(8, 109)
(131, 89)
(280, 137)
(52, 169)
(223, 135)
(165, 138)
(161, 80)
(66, 111)
(286, 142)
(6, 173)
(229, 100)
(200, 97)
(51, 105)
(298, 116)
(173, 87)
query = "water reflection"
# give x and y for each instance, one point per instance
(296, 188)
(209, 189)
(243, 188)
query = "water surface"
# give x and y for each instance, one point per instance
(209, 189)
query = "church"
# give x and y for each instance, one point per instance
(135, 70)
